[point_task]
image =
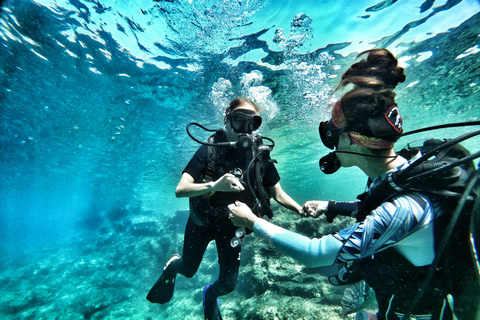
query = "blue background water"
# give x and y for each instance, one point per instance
(95, 96)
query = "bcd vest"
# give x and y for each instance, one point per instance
(246, 166)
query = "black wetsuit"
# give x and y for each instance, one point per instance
(209, 216)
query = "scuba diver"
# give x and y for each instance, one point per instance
(233, 165)
(414, 240)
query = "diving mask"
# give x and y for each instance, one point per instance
(329, 133)
(244, 121)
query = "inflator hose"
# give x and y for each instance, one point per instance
(265, 206)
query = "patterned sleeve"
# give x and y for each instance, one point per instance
(383, 228)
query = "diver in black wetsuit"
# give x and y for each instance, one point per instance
(214, 178)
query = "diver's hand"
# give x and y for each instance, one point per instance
(314, 209)
(241, 215)
(227, 183)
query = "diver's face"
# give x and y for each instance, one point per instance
(346, 159)
(243, 119)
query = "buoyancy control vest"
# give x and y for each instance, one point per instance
(446, 175)
(248, 165)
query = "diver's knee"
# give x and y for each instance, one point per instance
(229, 286)
(189, 273)
(188, 270)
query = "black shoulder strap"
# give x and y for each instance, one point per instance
(418, 199)
(214, 154)
(373, 198)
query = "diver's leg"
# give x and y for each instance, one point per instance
(195, 242)
(162, 290)
(194, 246)
(229, 261)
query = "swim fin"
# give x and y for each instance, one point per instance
(210, 307)
(162, 290)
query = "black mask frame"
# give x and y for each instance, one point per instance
(330, 134)
(244, 121)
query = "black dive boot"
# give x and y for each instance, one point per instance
(210, 306)
(162, 290)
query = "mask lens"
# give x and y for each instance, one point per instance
(245, 121)
(329, 134)
(257, 122)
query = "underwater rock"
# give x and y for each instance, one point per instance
(92, 221)
(111, 276)
(144, 228)
(117, 213)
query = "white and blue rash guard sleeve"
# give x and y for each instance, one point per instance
(386, 226)
(310, 252)
(401, 222)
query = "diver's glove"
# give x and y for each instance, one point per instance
(340, 208)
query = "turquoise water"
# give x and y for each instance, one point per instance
(95, 97)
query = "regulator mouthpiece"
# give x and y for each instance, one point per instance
(245, 141)
(329, 164)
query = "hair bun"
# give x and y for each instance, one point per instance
(379, 70)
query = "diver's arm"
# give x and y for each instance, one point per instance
(330, 208)
(188, 188)
(284, 199)
(310, 252)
